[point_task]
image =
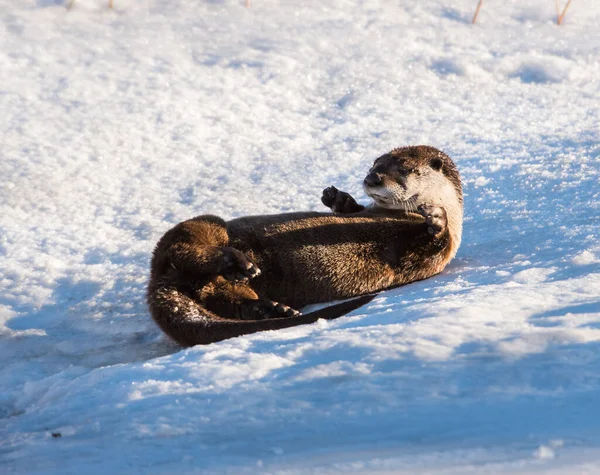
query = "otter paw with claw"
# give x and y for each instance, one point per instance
(269, 309)
(340, 201)
(236, 266)
(435, 217)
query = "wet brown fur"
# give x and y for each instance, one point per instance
(198, 292)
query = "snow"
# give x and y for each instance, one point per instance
(117, 124)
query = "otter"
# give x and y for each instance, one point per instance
(213, 279)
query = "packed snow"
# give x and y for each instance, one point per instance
(117, 124)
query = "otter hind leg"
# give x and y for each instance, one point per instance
(264, 309)
(238, 300)
(199, 248)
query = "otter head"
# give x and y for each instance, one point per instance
(409, 176)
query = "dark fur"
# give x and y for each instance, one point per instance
(205, 284)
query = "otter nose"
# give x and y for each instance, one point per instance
(373, 179)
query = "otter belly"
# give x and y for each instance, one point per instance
(312, 257)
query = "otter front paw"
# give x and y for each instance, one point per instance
(264, 309)
(340, 201)
(435, 217)
(236, 266)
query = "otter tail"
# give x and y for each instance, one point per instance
(189, 324)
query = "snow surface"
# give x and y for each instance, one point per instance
(118, 124)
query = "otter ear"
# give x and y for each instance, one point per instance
(436, 163)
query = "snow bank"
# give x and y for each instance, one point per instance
(119, 124)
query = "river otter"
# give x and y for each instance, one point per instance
(213, 279)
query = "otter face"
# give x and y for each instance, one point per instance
(407, 177)
(399, 183)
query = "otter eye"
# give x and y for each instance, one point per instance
(436, 163)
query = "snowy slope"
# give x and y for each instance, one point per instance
(118, 124)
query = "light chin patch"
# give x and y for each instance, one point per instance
(383, 204)
(392, 198)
